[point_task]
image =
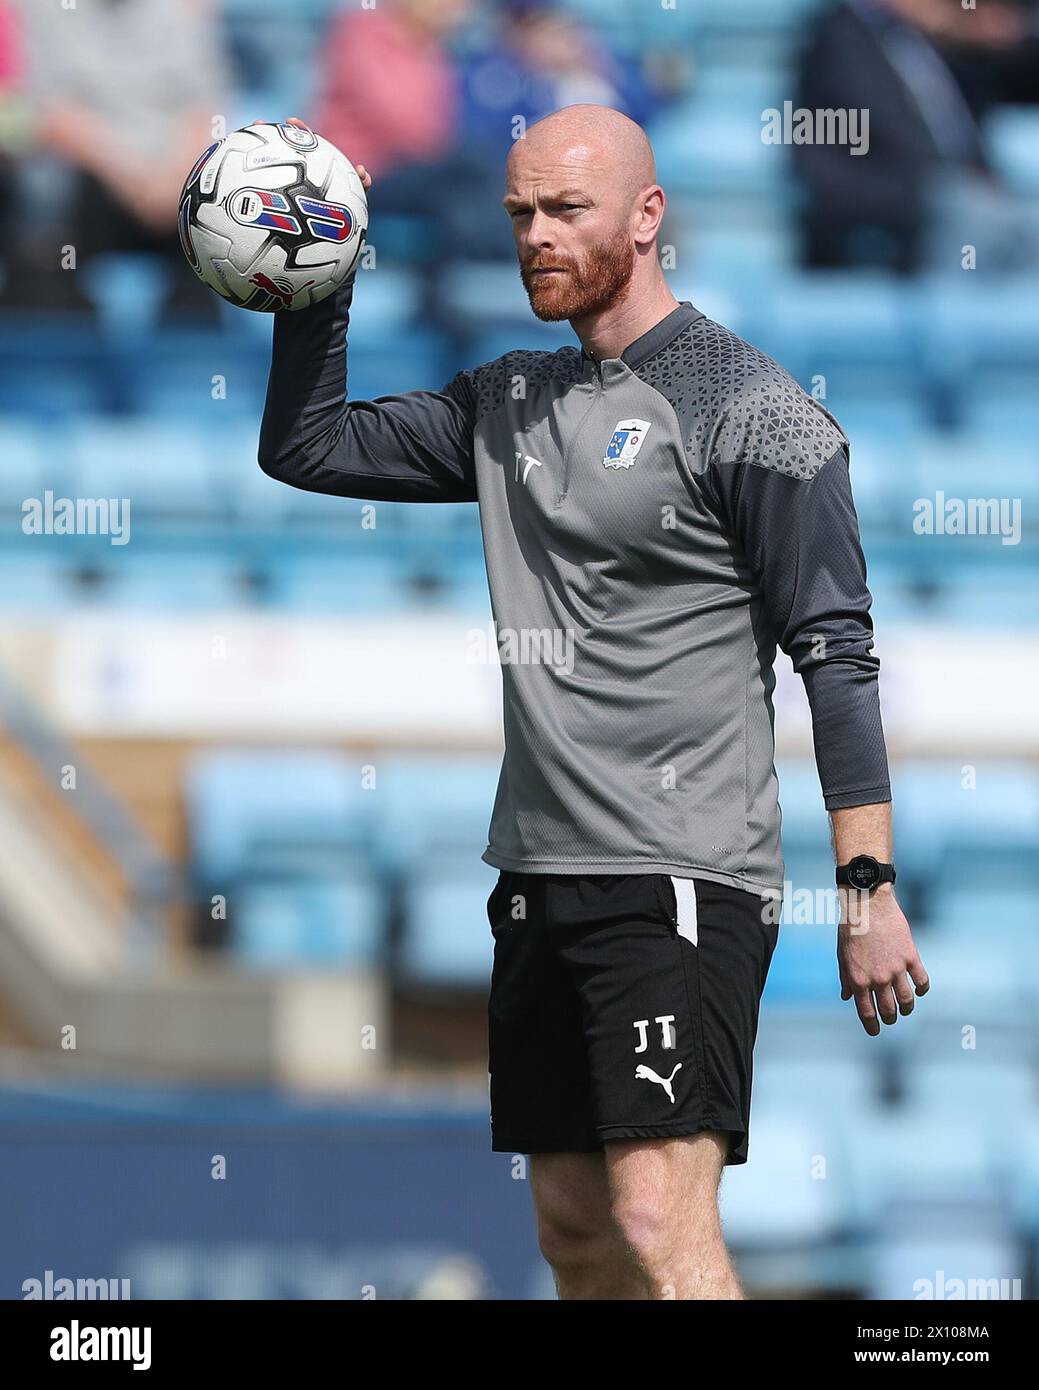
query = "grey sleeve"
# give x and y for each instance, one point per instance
(799, 534)
(412, 447)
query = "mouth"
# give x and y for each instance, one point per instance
(548, 270)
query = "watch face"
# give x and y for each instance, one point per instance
(864, 873)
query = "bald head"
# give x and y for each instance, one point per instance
(593, 137)
(581, 190)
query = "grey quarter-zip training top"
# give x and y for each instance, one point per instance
(654, 525)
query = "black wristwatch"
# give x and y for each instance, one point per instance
(864, 873)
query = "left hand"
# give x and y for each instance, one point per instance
(875, 953)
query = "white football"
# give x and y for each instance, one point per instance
(273, 217)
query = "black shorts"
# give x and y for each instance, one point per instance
(623, 1007)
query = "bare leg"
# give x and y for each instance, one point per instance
(665, 1201)
(576, 1231)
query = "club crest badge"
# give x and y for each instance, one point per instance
(625, 443)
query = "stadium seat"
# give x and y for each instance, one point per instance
(783, 1156)
(135, 579)
(34, 582)
(252, 810)
(996, 1094)
(447, 939)
(833, 320)
(898, 1154)
(332, 921)
(1012, 135)
(369, 581)
(430, 805)
(924, 1249)
(200, 377)
(705, 152)
(127, 290)
(165, 473)
(25, 465)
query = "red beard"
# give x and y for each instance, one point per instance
(586, 288)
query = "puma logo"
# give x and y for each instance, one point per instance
(643, 1073)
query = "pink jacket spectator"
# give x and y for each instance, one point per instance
(388, 91)
(10, 63)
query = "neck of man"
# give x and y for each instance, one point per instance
(606, 334)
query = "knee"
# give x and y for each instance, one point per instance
(644, 1226)
(567, 1241)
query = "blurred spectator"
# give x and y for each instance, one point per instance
(389, 93)
(125, 94)
(540, 58)
(10, 75)
(907, 63)
(390, 101)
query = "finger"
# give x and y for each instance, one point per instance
(886, 1003)
(295, 120)
(867, 1013)
(846, 989)
(919, 975)
(904, 994)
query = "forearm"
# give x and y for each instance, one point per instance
(863, 830)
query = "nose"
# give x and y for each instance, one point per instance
(539, 231)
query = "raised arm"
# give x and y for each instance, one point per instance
(412, 447)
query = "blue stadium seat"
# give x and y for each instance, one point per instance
(203, 377)
(31, 580)
(165, 473)
(805, 824)
(415, 363)
(447, 938)
(996, 404)
(252, 810)
(736, 257)
(50, 394)
(898, 1154)
(706, 152)
(986, 319)
(25, 464)
(249, 495)
(997, 1094)
(804, 965)
(923, 1248)
(430, 805)
(932, 807)
(492, 290)
(1012, 133)
(334, 921)
(826, 321)
(783, 1156)
(127, 290)
(974, 980)
(135, 579)
(384, 304)
(819, 1089)
(368, 581)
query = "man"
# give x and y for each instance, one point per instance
(906, 62)
(671, 502)
(121, 92)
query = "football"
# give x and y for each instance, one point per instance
(273, 217)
